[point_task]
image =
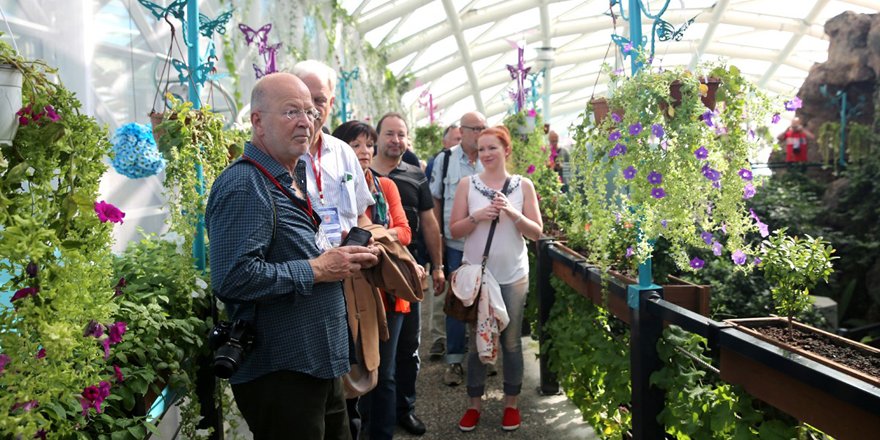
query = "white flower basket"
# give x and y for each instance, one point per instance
(10, 102)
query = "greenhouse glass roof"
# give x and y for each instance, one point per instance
(455, 50)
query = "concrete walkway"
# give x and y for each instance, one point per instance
(543, 417)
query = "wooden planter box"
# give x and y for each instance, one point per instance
(586, 279)
(841, 402)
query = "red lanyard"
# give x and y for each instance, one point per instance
(307, 207)
(316, 168)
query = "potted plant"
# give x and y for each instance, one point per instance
(781, 351)
(55, 239)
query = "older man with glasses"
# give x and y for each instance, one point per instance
(337, 187)
(449, 168)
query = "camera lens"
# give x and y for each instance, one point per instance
(227, 360)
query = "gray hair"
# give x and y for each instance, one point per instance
(317, 68)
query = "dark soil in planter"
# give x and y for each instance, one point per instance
(825, 347)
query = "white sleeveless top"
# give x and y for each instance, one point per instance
(508, 261)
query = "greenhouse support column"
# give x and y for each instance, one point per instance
(193, 61)
(546, 298)
(647, 400)
(635, 32)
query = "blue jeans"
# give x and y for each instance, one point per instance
(514, 296)
(456, 336)
(377, 407)
(408, 361)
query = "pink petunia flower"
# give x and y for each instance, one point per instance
(24, 293)
(107, 212)
(118, 372)
(40, 354)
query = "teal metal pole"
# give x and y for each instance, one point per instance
(635, 33)
(195, 89)
(842, 159)
(635, 37)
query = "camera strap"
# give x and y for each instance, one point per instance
(307, 206)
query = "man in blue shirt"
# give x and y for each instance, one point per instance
(268, 270)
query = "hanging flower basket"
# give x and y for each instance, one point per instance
(10, 102)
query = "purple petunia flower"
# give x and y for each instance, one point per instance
(762, 227)
(738, 257)
(657, 130)
(616, 118)
(697, 263)
(701, 153)
(32, 270)
(531, 169)
(748, 191)
(635, 129)
(716, 248)
(615, 135)
(794, 104)
(706, 236)
(756, 261)
(94, 329)
(629, 252)
(629, 173)
(618, 150)
(627, 48)
(776, 118)
(707, 118)
(658, 193)
(655, 178)
(4, 360)
(710, 173)
(40, 354)
(745, 174)
(663, 223)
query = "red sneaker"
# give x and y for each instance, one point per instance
(469, 420)
(511, 419)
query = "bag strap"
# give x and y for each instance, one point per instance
(446, 154)
(492, 228)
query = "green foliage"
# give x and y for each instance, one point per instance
(530, 158)
(699, 405)
(48, 188)
(792, 266)
(589, 353)
(428, 141)
(691, 203)
(860, 143)
(197, 147)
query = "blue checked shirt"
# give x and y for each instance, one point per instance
(300, 326)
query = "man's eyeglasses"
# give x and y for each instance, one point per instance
(311, 114)
(474, 129)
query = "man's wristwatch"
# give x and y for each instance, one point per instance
(439, 267)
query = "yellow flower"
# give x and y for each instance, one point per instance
(704, 89)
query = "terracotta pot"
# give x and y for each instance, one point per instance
(600, 109)
(586, 279)
(839, 401)
(708, 100)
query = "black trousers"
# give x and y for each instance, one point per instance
(288, 405)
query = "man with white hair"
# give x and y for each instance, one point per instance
(337, 187)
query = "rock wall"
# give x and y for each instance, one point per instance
(853, 65)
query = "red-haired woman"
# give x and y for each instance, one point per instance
(478, 201)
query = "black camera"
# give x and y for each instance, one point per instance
(230, 342)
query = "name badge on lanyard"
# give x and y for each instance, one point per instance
(330, 232)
